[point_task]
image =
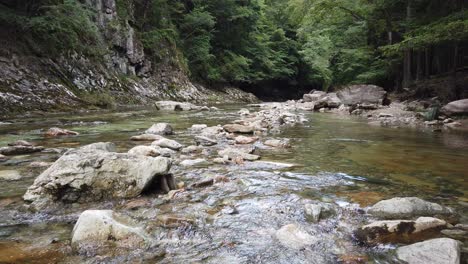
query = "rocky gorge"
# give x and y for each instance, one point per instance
(236, 185)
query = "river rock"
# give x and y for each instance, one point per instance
(197, 127)
(362, 94)
(330, 100)
(459, 107)
(165, 152)
(55, 132)
(3, 158)
(434, 251)
(191, 149)
(194, 162)
(291, 236)
(314, 96)
(19, 150)
(277, 143)
(317, 211)
(399, 231)
(233, 153)
(160, 129)
(98, 230)
(211, 131)
(244, 112)
(91, 173)
(236, 128)
(245, 140)
(21, 143)
(39, 164)
(9, 175)
(168, 143)
(144, 151)
(205, 141)
(455, 233)
(146, 137)
(176, 106)
(408, 207)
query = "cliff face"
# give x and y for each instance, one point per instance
(123, 75)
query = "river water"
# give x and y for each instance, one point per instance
(337, 159)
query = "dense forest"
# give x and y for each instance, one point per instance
(270, 44)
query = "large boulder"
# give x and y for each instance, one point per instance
(93, 173)
(144, 151)
(399, 231)
(434, 251)
(99, 230)
(459, 107)
(408, 207)
(330, 100)
(160, 129)
(362, 94)
(314, 96)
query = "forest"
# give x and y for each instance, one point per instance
(257, 44)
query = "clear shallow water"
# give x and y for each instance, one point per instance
(362, 164)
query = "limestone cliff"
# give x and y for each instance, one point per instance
(123, 75)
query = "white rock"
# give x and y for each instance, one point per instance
(9, 175)
(167, 143)
(292, 237)
(407, 207)
(434, 251)
(160, 129)
(144, 151)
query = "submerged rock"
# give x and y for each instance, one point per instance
(19, 150)
(399, 231)
(10, 175)
(292, 237)
(194, 162)
(3, 158)
(191, 149)
(408, 207)
(459, 107)
(362, 94)
(278, 143)
(146, 137)
(92, 173)
(315, 212)
(167, 143)
(233, 153)
(197, 127)
(434, 251)
(144, 151)
(21, 143)
(176, 106)
(160, 129)
(236, 128)
(205, 141)
(245, 140)
(55, 132)
(99, 230)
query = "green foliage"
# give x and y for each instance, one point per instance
(65, 26)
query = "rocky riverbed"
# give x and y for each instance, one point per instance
(233, 185)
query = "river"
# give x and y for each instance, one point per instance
(336, 159)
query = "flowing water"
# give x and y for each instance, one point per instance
(336, 159)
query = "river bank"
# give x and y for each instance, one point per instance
(231, 209)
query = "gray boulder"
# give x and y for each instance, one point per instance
(168, 143)
(434, 251)
(144, 151)
(314, 96)
(19, 150)
(316, 211)
(99, 230)
(92, 173)
(459, 107)
(160, 129)
(408, 207)
(362, 94)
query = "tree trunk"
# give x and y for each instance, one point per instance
(454, 71)
(427, 66)
(407, 55)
